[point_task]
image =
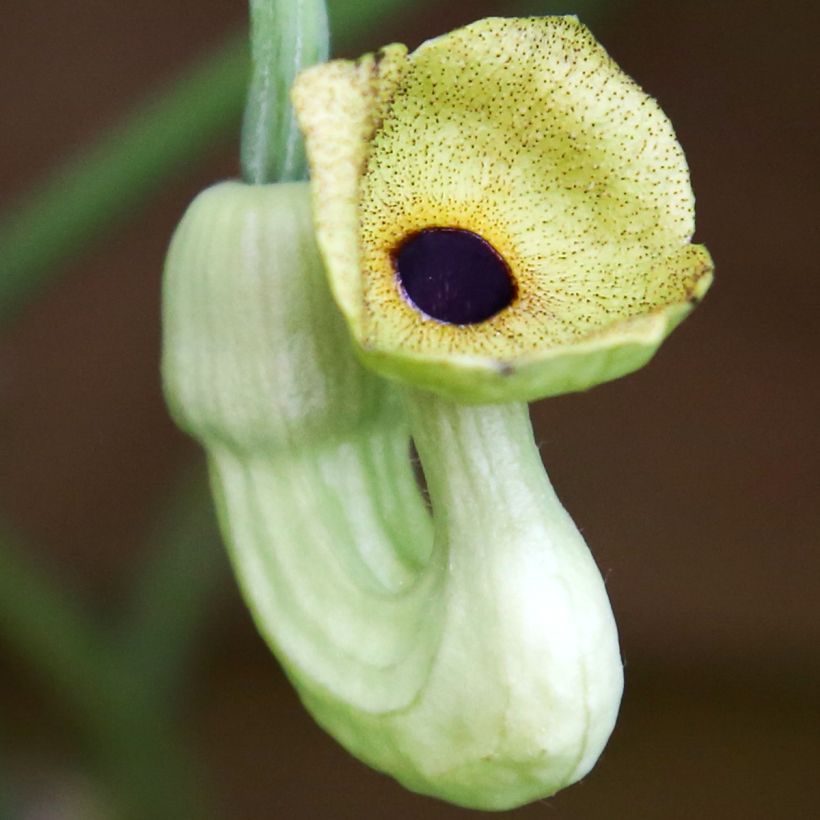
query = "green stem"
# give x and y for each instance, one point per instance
(286, 36)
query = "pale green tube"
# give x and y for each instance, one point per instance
(471, 655)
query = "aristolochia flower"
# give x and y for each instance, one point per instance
(503, 213)
(472, 653)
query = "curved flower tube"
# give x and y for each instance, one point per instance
(472, 656)
(501, 215)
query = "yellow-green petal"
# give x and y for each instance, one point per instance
(524, 132)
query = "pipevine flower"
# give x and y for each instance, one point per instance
(503, 213)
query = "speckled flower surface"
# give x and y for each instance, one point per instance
(525, 133)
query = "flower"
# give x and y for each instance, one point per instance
(472, 653)
(503, 213)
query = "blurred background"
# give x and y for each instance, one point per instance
(131, 677)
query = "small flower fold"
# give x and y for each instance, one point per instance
(525, 133)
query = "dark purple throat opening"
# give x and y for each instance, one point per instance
(453, 275)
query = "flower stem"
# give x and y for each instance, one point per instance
(286, 36)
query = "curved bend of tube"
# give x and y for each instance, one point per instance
(470, 653)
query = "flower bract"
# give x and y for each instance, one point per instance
(503, 213)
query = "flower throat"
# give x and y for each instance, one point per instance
(453, 275)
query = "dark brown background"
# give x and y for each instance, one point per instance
(695, 481)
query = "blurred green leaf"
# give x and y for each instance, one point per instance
(171, 595)
(108, 180)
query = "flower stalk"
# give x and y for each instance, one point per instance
(286, 36)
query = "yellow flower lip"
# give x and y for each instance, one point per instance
(524, 134)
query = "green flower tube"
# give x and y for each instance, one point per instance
(473, 655)
(468, 650)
